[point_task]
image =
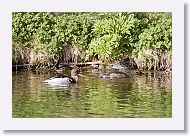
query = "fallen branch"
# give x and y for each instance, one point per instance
(80, 63)
(24, 65)
(63, 64)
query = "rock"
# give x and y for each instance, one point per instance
(113, 75)
(126, 63)
(118, 66)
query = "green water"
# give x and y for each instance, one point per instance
(146, 96)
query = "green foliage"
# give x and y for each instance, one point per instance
(109, 36)
(103, 46)
(112, 35)
(157, 35)
(50, 31)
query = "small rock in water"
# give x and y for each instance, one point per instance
(113, 75)
(104, 75)
(126, 63)
(118, 66)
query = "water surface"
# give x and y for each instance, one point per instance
(146, 96)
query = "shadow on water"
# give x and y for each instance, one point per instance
(146, 96)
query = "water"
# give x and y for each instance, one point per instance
(146, 96)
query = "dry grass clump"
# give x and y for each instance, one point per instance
(39, 58)
(71, 54)
(146, 59)
(150, 59)
(42, 59)
(23, 55)
(20, 54)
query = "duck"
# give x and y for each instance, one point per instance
(64, 80)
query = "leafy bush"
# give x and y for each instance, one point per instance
(50, 31)
(108, 36)
(157, 35)
(112, 36)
